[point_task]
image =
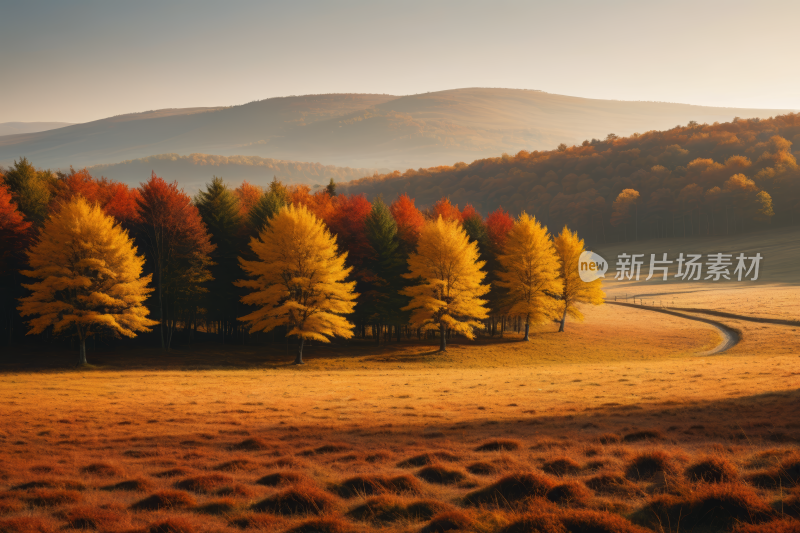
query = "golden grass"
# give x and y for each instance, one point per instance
(612, 425)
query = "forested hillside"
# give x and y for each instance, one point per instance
(699, 179)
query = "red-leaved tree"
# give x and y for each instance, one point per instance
(116, 199)
(178, 247)
(498, 224)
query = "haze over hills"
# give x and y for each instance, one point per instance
(15, 128)
(365, 131)
(195, 170)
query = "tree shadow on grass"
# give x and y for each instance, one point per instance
(210, 355)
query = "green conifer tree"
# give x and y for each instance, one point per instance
(219, 210)
(30, 190)
(382, 299)
(273, 199)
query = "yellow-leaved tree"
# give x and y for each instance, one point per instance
(449, 296)
(90, 277)
(298, 280)
(570, 248)
(530, 272)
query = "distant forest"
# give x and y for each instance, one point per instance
(193, 170)
(698, 179)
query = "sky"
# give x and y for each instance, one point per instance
(79, 61)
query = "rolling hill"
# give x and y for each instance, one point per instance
(360, 130)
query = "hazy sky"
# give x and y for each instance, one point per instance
(76, 61)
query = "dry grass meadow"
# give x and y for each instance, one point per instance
(616, 425)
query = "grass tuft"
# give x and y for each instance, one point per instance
(173, 524)
(165, 499)
(638, 436)
(712, 469)
(237, 465)
(441, 475)
(614, 484)
(609, 438)
(91, 518)
(785, 474)
(562, 466)
(712, 506)
(204, 484)
(253, 444)
(498, 445)
(299, 500)
(101, 470)
(53, 497)
(449, 521)
(258, 521)
(174, 472)
(482, 468)
(326, 449)
(328, 524)
(647, 464)
(51, 484)
(572, 493)
(387, 509)
(370, 485)
(426, 459)
(223, 506)
(511, 489)
(283, 478)
(26, 524)
(132, 485)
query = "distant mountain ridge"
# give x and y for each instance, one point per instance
(16, 128)
(361, 130)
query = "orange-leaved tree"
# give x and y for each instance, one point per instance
(449, 294)
(90, 277)
(248, 196)
(298, 280)
(529, 270)
(443, 208)
(569, 248)
(410, 221)
(627, 201)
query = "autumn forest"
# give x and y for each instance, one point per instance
(198, 266)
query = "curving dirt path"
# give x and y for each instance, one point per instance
(729, 336)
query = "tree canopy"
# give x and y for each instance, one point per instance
(298, 280)
(90, 277)
(449, 294)
(530, 272)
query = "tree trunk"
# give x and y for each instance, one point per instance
(527, 329)
(299, 359)
(442, 339)
(161, 312)
(563, 320)
(82, 356)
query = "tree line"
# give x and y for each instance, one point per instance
(689, 181)
(89, 257)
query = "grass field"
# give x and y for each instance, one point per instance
(616, 425)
